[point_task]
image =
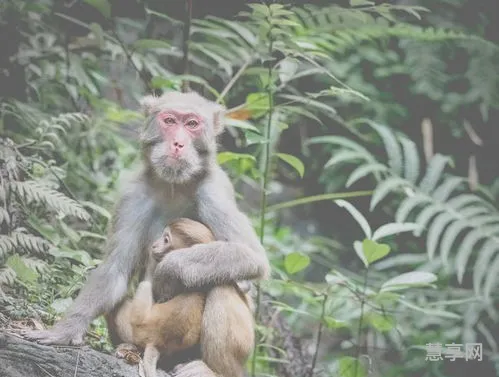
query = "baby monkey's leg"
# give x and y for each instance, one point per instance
(151, 356)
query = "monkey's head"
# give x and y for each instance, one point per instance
(179, 137)
(180, 234)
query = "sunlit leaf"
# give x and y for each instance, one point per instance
(295, 162)
(295, 262)
(374, 251)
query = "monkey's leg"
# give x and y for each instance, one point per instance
(151, 356)
(226, 336)
(142, 302)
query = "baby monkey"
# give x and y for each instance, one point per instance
(175, 325)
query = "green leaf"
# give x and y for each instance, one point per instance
(240, 124)
(380, 322)
(148, 44)
(394, 228)
(361, 220)
(361, 3)
(374, 251)
(257, 103)
(332, 323)
(294, 162)
(23, 272)
(409, 279)
(224, 157)
(103, 6)
(351, 367)
(296, 262)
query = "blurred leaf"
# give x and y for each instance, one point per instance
(148, 44)
(351, 367)
(223, 157)
(103, 6)
(394, 228)
(23, 272)
(380, 322)
(296, 262)
(409, 279)
(294, 162)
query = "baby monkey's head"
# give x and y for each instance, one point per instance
(179, 234)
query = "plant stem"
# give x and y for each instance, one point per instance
(319, 335)
(185, 45)
(266, 170)
(361, 320)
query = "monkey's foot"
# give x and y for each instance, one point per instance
(128, 352)
(59, 335)
(196, 368)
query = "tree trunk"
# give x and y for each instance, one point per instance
(21, 358)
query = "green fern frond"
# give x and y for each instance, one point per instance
(7, 276)
(33, 191)
(438, 205)
(29, 242)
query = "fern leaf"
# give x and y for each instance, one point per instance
(7, 276)
(449, 238)
(435, 231)
(444, 191)
(482, 263)
(465, 250)
(384, 188)
(426, 215)
(491, 278)
(4, 216)
(481, 221)
(6, 245)
(470, 212)
(361, 220)
(392, 147)
(461, 201)
(342, 142)
(408, 204)
(411, 160)
(30, 242)
(344, 156)
(364, 170)
(34, 263)
(393, 228)
(32, 191)
(433, 173)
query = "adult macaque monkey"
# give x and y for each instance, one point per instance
(180, 178)
(175, 325)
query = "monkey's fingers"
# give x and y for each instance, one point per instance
(129, 352)
(196, 368)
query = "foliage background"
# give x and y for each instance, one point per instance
(362, 136)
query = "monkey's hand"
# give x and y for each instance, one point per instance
(196, 368)
(166, 284)
(63, 333)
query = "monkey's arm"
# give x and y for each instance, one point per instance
(237, 256)
(108, 283)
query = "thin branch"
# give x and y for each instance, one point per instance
(128, 55)
(231, 83)
(319, 336)
(185, 45)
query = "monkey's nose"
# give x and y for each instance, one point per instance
(178, 145)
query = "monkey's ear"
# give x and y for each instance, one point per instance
(148, 103)
(219, 119)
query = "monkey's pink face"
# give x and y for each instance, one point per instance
(179, 130)
(180, 141)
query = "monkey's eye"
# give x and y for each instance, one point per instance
(193, 123)
(169, 120)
